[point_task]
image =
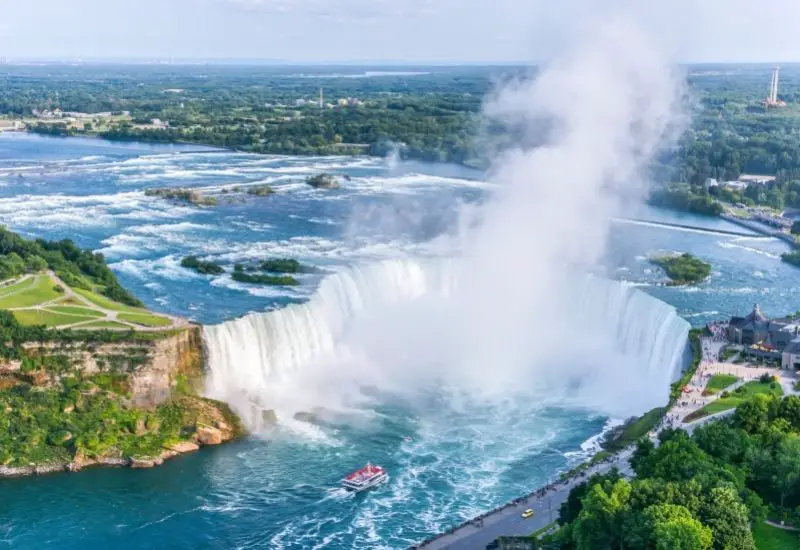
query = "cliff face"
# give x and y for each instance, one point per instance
(177, 359)
(127, 403)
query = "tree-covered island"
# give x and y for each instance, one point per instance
(683, 269)
(274, 271)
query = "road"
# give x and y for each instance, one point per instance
(509, 521)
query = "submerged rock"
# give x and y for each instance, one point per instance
(323, 181)
(184, 447)
(269, 416)
(206, 435)
(142, 462)
(303, 416)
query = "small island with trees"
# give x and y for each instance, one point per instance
(274, 271)
(683, 269)
(206, 268)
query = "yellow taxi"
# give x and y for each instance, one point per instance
(527, 514)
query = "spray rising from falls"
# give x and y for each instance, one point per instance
(511, 312)
(627, 345)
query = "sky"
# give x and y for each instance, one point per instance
(375, 31)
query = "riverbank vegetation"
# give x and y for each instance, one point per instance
(76, 267)
(635, 428)
(55, 413)
(432, 115)
(687, 199)
(713, 489)
(683, 269)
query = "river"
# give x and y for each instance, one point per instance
(451, 454)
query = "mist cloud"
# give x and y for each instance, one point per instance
(511, 311)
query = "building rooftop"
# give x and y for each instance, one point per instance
(793, 347)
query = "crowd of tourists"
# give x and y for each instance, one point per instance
(719, 330)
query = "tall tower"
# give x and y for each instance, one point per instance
(773, 94)
(320, 99)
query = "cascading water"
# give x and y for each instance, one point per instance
(615, 341)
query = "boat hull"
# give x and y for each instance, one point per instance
(376, 481)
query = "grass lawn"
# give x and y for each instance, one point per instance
(719, 382)
(102, 324)
(47, 318)
(735, 399)
(145, 320)
(40, 291)
(107, 303)
(634, 431)
(771, 538)
(71, 301)
(72, 310)
(16, 287)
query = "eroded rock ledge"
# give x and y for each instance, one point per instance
(131, 404)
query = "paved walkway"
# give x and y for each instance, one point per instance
(693, 399)
(109, 315)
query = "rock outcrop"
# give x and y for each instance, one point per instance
(160, 379)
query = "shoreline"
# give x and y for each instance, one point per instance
(600, 460)
(224, 149)
(80, 463)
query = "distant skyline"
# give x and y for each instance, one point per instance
(383, 31)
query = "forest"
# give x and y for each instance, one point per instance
(427, 113)
(710, 489)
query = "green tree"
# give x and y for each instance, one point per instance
(790, 410)
(786, 474)
(674, 528)
(600, 524)
(728, 518)
(753, 415)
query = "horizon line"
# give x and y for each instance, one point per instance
(180, 61)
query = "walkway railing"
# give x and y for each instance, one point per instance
(538, 493)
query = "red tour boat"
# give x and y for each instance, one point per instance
(367, 477)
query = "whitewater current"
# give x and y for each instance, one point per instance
(361, 342)
(274, 360)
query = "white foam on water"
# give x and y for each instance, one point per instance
(334, 337)
(759, 251)
(268, 291)
(167, 267)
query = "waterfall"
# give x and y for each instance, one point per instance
(615, 338)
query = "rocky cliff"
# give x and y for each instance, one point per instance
(136, 403)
